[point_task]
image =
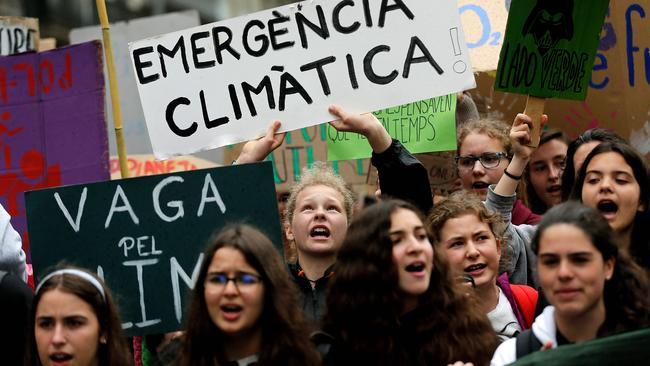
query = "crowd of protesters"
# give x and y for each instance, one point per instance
(487, 275)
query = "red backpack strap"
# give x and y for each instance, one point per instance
(526, 298)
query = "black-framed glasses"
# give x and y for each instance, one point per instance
(243, 280)
(489, 160)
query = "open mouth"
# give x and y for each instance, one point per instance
(475, 267)
(480, 185)
(555, 188)
(231, 308)
(60, 357)
(415, 267)
(607, 207)
(319, 232)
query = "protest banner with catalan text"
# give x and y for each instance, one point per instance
(223, 83)
(52, 127)
(145, 236)
(550, 47)
(425, 126)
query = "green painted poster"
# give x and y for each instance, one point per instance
(145, 236)
(550, 47)
(424, 126)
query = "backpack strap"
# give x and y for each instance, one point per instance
(526, 298)
(527, 343)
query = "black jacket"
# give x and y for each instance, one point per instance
(311, 299)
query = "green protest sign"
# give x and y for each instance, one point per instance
(550, 47)
(145, 236)
(622, 349)
(424, 126)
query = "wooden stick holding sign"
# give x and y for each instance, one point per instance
(534, 110)
(115, 96)
(549, 59)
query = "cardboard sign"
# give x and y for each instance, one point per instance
(223, 83)
(550, 47)
(484, 24)
(146, 164)
(52, 128)
(145, 236)
(424, 126)
(134, 127)
(301, 148)
(18, 35)
(618, 89)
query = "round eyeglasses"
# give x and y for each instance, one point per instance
(489, 160)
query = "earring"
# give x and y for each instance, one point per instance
(102, 340)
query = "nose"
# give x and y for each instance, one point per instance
(605, 184)
(58, 337)
(319, 212)
(554, 172)
(565, 272)
(414, 245)
(230, 289)
(472, 250)
(478, 168)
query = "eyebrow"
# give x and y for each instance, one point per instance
(616, 172)
(573, 254)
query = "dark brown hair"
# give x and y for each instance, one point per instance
(115, 351)
(285, 334)
(626, 293)
(364, 306)
(533, 201)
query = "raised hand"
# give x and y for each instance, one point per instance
(365, 124)
(258, 150)
(520, 135)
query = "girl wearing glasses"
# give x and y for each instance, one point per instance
(543, 178)
(393, 300)
(244, 309)
(75, 322)
(484, 151)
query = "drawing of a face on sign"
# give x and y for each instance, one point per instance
(549, 22)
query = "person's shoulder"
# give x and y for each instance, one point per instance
(505, 354)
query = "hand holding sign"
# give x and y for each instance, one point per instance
(549, 51)
(365, 124)
(258, 150)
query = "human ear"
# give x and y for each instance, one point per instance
(609, 268)
(288, 232)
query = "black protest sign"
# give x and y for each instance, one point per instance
(550, 47)
(145, 235)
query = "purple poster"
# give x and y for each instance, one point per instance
(52, 126)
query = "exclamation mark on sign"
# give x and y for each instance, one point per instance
(459, 66)
(453, 33)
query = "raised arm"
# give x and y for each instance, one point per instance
(401, 175)
(500, 198)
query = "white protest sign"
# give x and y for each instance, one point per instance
(18, 35)
(223, 83)
(484, 23)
